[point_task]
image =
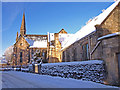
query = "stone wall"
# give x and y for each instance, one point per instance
(92, 70)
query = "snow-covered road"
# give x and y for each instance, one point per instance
(14, 79)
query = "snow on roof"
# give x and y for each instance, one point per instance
(30, 41)
(90, 27)
(37, 43)
(109, 35)
(63, 38)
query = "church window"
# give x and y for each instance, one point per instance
(21, 44)
(20, 57)
(74, 54)
(43, 54)
(63, 57)
(32, 52)
(85, 52)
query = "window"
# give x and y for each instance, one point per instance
(63, 59)
(68, 57)
(74, 54)
(21, 44)
(28, 57)
(32, 52)
(85, 52)
(43, 54)
(20, 57)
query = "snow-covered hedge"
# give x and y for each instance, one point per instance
(92, 70)
(25, 69)
(30, 68)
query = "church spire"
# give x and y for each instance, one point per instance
(23, 26)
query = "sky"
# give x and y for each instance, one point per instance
(43, 17)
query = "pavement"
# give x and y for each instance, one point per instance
(17, 79)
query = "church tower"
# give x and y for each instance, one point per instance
(17, 36)
(23, 26)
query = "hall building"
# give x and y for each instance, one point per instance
(99, 39)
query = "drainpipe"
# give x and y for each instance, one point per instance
(89, 43)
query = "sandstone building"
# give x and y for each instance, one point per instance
(99, 39)
(26, 45)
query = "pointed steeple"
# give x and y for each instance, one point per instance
(23, 26)
(17, 36)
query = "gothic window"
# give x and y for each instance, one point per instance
(43, 54)
(15, 62)
(28, 57)
(68, 57)
(32, 52)
(21, 44)
(85, 52)
(74, 54)
(63, 57)
(20, 57)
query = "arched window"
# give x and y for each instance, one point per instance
(85, 52)
(20, 57)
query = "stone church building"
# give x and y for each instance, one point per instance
(26, 45)
(48, 46)
(99, 39)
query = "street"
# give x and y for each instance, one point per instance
(15, 79)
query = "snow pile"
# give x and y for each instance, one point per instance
(30, 68)
(25, 69)
(92, 70)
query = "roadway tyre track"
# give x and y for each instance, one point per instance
(16, 82)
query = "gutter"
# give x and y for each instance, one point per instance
(108, 36)
(101, 38)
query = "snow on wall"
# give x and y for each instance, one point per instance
(92, 70)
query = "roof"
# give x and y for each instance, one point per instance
(36, 41)
(90, 27)
(62, 31)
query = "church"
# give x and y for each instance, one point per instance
(47, 46)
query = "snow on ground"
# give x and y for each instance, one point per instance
(30, 80)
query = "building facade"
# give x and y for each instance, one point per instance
(99, 39)
(102, 42)
(26, 45)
